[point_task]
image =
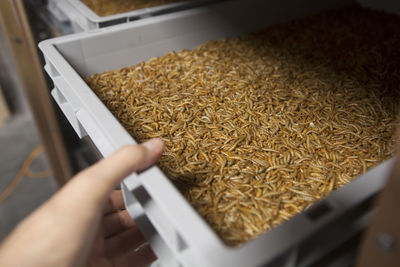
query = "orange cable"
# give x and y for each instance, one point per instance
(24, 170)
(37, 175)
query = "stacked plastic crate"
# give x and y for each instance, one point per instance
(176, 232)
(82, 18)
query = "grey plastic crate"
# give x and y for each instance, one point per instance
(84, 19)
(60, 9)
(176, 232)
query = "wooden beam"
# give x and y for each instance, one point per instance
(23, 47)
(4, 112)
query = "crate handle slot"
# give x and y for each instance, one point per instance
(159, 220)
(133, 207)
(95, 133)
(69, 111)
(318, 211)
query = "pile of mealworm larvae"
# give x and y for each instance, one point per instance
(113, 7)
(257, 128)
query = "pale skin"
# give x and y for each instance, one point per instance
(84, 223)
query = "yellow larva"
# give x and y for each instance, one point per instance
(259, 127)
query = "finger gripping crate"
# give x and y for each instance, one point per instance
(176, 232)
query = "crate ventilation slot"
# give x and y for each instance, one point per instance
(318, 211)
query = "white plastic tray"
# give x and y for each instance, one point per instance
(60, 9)
(177, 234)
(84, 19)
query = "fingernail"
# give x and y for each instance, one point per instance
(152, 144)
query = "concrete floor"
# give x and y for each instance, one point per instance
(17, 139)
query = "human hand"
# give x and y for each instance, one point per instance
(118, 238)
(78, 227)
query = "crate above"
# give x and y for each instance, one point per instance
(83, 18)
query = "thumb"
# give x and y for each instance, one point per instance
(97, 181)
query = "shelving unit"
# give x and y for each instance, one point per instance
(327, 234)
